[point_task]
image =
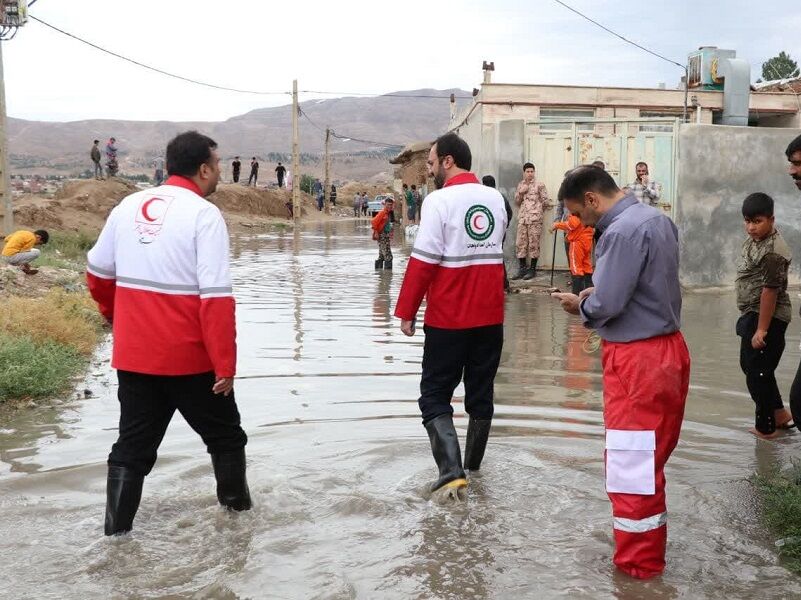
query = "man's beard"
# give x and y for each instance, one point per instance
(439, 180)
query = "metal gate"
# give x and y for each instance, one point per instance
(619, 143)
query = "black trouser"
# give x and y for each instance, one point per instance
(147, 403)
(280, 182)
(236, 176)
(759, 367)
(450, 353)
(254, 178)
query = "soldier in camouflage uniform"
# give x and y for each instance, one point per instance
(532, 201)
(765, 309)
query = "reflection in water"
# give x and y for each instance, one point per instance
(328, 393)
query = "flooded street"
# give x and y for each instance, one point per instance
(337, 459)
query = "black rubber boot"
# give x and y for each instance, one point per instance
(477, 434)
(576, 284)
(445, 448)
(123, 493)
(379, 264)
(587, 281)
(232, 484)
(521, 270)
(388, 265)
(532, 270)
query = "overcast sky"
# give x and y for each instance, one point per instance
(357, 46)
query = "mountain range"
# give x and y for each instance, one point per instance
(367, 131)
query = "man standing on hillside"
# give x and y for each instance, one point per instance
(254, 172)
(94, 153)
(236, 168)
(111, 157)
(280, 172)
(457, 263)
(159, 273)
(159, 174)
(635, 307)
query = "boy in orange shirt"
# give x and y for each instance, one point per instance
(19, 248)
(579, 239)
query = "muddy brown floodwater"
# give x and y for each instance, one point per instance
(337, 459)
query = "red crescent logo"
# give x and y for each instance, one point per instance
(146, 205)
(476, 225)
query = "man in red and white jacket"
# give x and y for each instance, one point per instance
(457, 262)
(159, 273)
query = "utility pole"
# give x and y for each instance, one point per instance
(327, 198)
(5, 179)
(13, 15)
(295, 154)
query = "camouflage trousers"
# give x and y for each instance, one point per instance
(527, 242)
(384, 248)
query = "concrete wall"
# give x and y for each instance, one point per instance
(718, 167)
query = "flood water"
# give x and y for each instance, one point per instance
(337, 457)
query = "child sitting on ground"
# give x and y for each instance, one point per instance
(579, 239)
(764, 304)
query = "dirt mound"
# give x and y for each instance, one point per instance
(244, 200)
(91, 193)
(80, 205)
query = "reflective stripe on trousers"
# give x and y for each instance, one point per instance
(640, 525)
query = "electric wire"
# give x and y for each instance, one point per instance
(227, 88)
(155, 69)
(617, 35)
(345, 137)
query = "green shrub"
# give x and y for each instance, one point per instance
(66, 248)
(780, 494)
(35, 370)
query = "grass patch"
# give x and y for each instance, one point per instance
(45, 342)
(781, 510)
(35, 370)
(66, 250)
(68, 319)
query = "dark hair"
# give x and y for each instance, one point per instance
(42, 234)
(488, 180)
(645, 164)
(795, 146)
(452, 145)
(414, 187)
(586, 178)
(757, 205)
(405, 185)
(187, 151)
(254, 158)
(529, 166)
(97, 141)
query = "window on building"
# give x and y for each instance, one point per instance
(658, 127)
(566, 115)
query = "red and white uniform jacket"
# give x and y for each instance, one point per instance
(457, 260)
(159, 272)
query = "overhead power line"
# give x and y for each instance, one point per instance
(345, 137)
(391, 95)
(155, 69)
(223, 87)
(617, 35)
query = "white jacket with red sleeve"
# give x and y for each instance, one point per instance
(457, 259)
(160, 273)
